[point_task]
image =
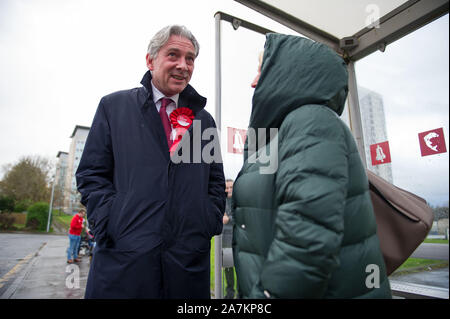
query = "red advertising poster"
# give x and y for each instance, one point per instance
(236, 140)
(380, 153)
(432, 142)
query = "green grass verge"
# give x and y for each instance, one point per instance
(64, 220)
(436, 241)
(418, 262)
(415, 265)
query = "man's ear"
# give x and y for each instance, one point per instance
(149, 61)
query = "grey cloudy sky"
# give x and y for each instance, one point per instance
(59, 57)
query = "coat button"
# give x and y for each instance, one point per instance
(243, 226)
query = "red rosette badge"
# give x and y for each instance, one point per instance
(181, 119)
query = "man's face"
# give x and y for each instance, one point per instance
(173, 66)
(229, 188)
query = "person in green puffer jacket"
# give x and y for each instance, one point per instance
(304, 221)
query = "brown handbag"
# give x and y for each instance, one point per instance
(403, 220)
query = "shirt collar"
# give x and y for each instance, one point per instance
(157, 95)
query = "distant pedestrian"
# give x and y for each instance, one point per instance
(76, 226)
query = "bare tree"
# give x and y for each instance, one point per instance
(440, 212)
(28, 179)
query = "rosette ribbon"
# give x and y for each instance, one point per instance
(181, 119)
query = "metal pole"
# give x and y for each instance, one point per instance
(218, 239)
(51, 206)
(355, 113)
(218, 73)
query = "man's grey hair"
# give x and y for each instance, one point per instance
(161, 37)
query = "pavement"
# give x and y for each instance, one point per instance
(46, 274)
(436, 278)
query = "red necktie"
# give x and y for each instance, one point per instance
(165, 119)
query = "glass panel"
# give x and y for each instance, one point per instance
(241, 68)
(404, 101)
(339, 18)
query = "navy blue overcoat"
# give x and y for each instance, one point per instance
(153, 219)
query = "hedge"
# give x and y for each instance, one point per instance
(37, 216)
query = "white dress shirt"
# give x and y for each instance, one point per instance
(157, 96)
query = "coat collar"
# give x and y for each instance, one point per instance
(188, 97)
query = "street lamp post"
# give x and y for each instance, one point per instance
(51, 206)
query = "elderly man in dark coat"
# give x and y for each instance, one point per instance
(152, 216)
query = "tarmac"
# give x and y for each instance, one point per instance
(48, 276)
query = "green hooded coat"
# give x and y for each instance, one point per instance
(304, 222)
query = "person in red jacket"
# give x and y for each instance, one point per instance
(76, 226)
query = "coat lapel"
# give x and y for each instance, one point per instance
(152, 122)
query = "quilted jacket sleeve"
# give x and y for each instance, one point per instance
(311, 187)
(95, 174)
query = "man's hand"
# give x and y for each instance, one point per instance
(225, 218)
